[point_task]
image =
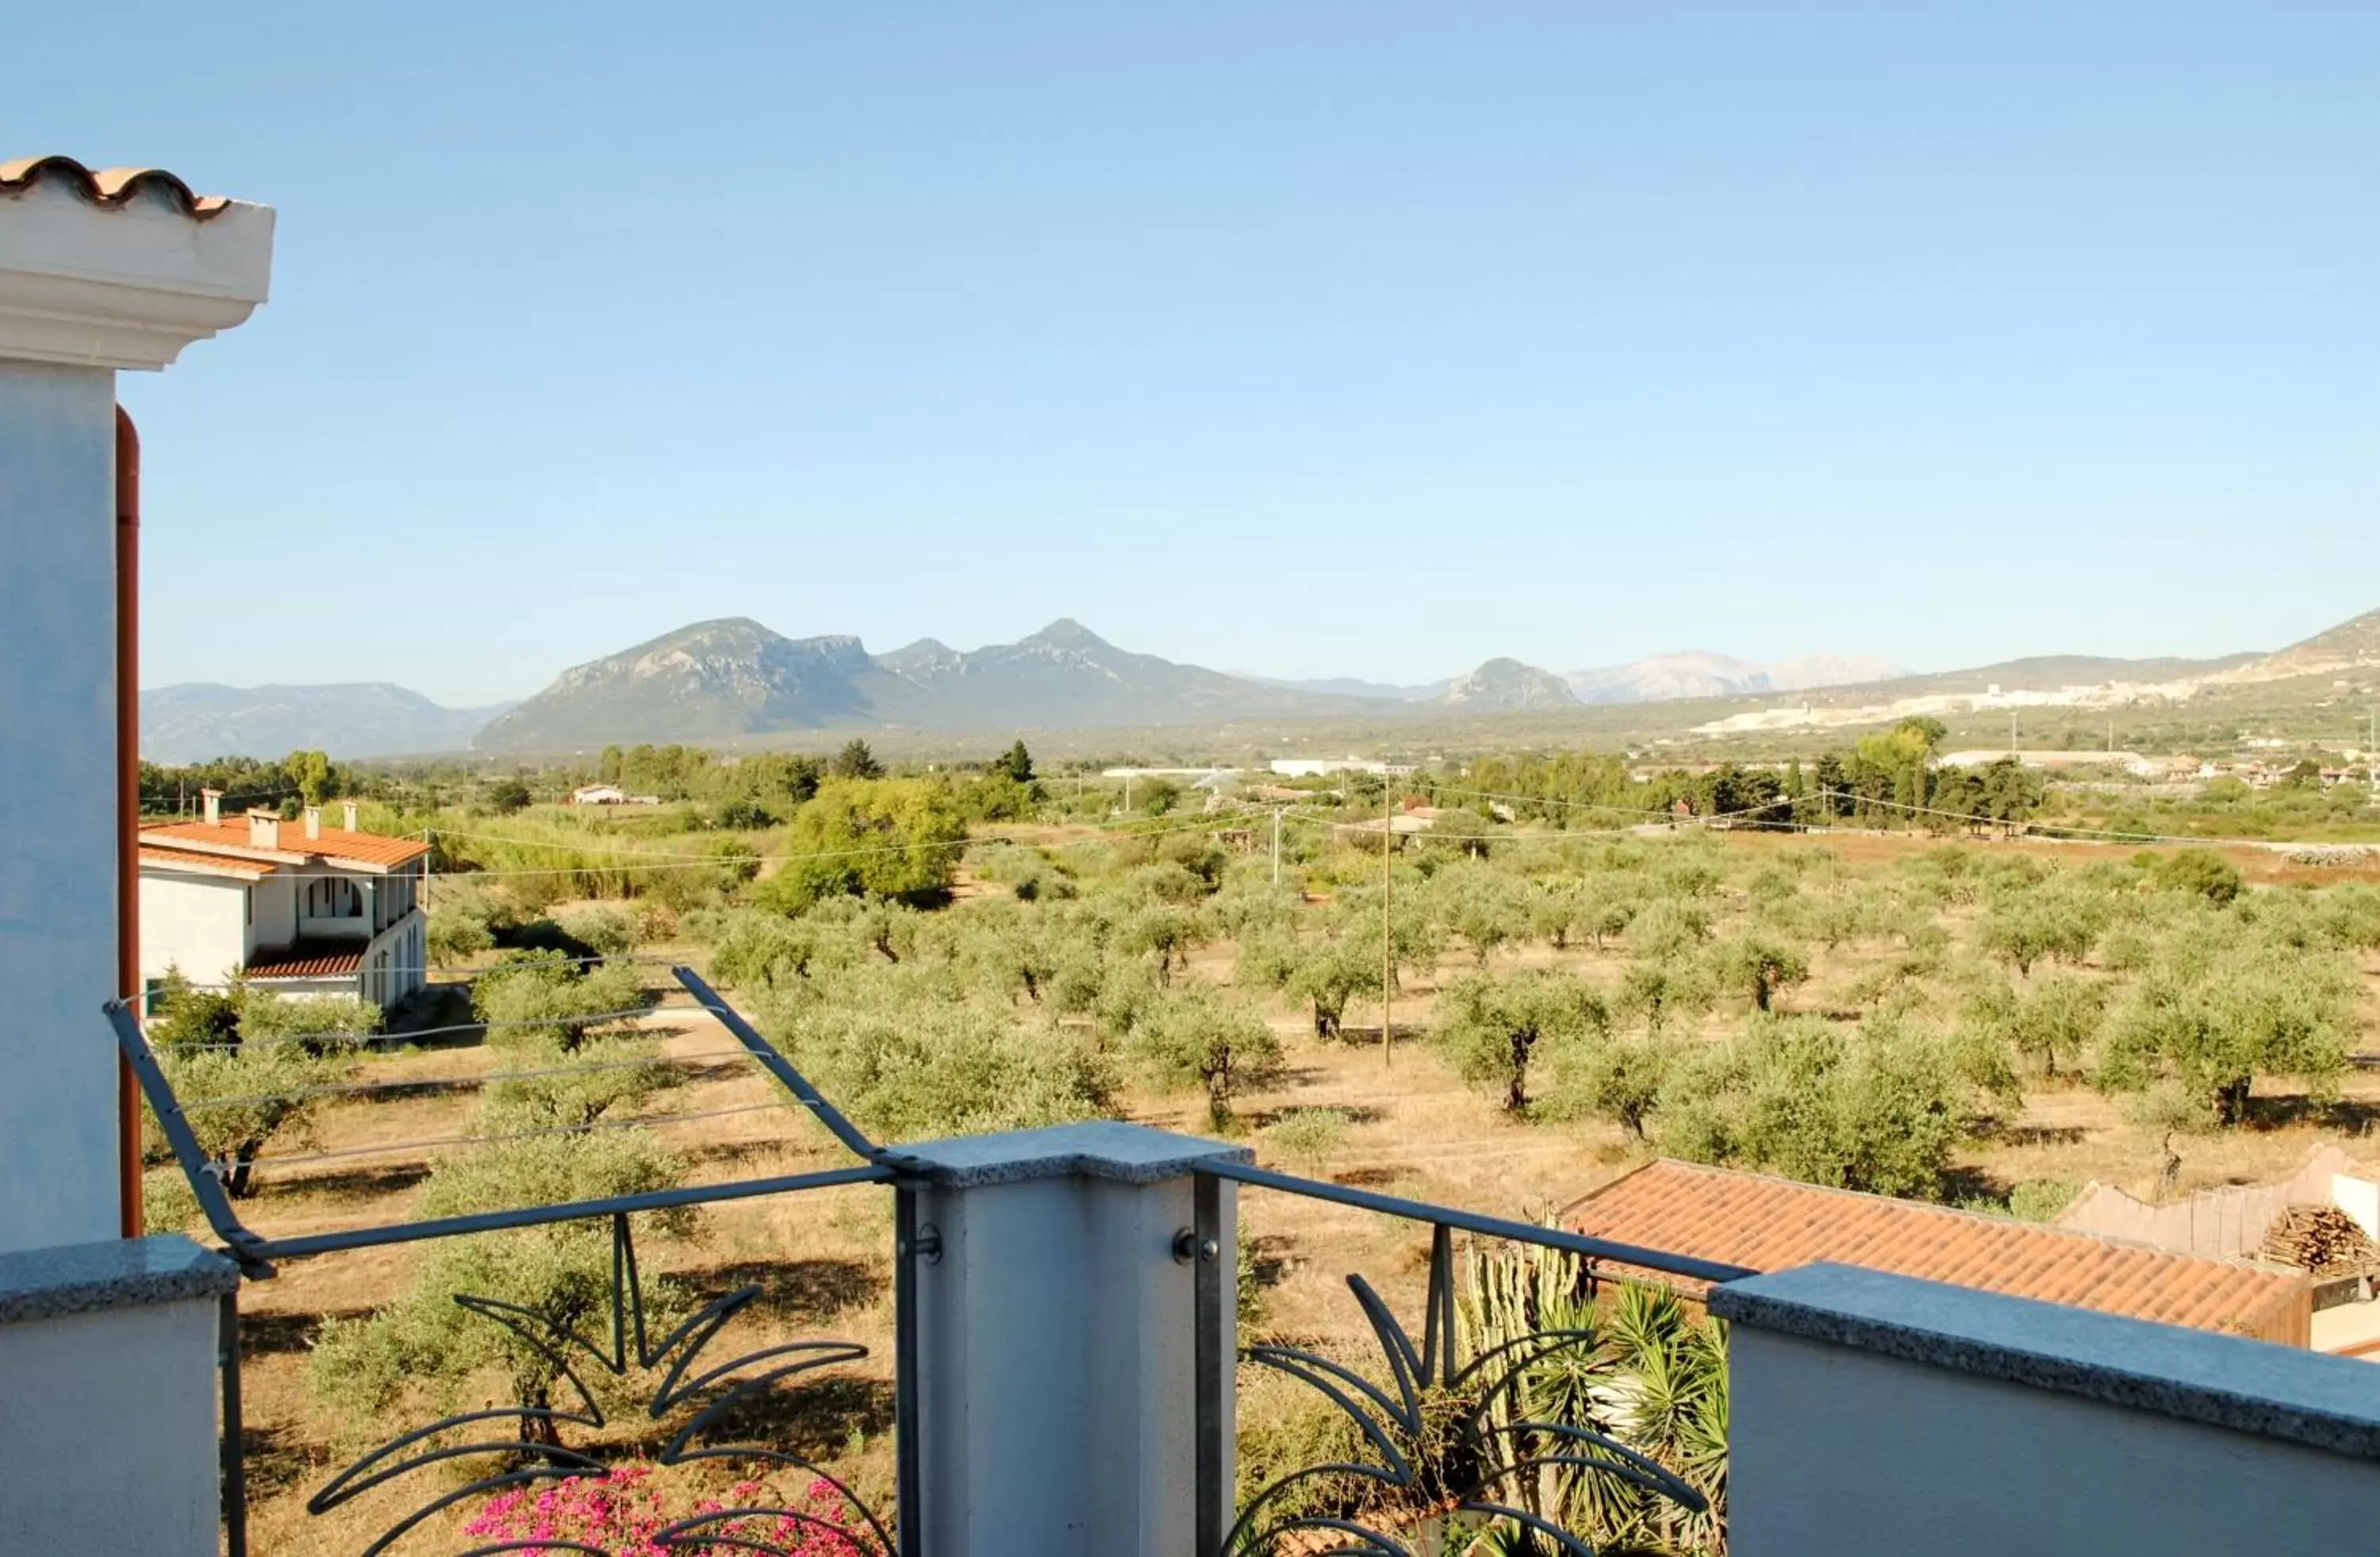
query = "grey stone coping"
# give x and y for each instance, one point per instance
(2223, 1381)
(120, 1273)
(1102, 1148)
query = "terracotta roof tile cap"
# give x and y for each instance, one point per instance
(109, 188)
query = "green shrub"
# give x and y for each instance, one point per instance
(2040, 1199)
(605, 931)
(2201, 873)
(1309, 1135)
(924, 1068)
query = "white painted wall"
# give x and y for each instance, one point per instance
(275, 912)
(1840, 1452)
(109, 1424)
(57, 804)
(196, 923)
(2359, 1197)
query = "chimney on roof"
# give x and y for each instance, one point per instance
(263, 828)
(349, 806)
(313, 822)
(213, 801)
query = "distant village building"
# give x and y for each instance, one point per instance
(1322, 767)
(2131, 761)
(610, 795)
(292, 906)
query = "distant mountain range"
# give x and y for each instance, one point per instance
(196, 720)
(718, 680)
(2353, 645)
(1695, 673)
(1661, 678)
(726, 679)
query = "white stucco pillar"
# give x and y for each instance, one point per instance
(98, 272)
(108, 1357)
(1058, 1362)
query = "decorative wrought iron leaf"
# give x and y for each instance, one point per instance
(716, 1392)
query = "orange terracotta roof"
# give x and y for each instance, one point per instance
(336, 844)
(110, 187)
(1769, 1224)
(308, 959)
(186, 859)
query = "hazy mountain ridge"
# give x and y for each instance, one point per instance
(735, 677)
(194, 721)
(1697, 673)
(722, 680)
(2353, 645)
(1507, 685)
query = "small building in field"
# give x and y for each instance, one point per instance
(1766, 1224)
(599, 794)
(292, 906)
(1322, 767)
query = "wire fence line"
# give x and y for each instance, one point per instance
(502, 1138)
(345, 1088)
(545, 959)
(647, 860)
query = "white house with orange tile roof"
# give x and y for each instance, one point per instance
(293, 907)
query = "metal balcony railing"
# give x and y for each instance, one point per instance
(1493, 1427)
(1505, 1422)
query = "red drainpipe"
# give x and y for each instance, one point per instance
(127, 803)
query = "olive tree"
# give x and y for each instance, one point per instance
(1487, 907)
(2053, 1015)
(1492, 1026)
(425, 1352)
(1876, 1108)
(2212, 1021)
(248, 1066)
(547, 998)
(1759, 967)
(1196, 1037)
(1327, 974)
(1611, 1076)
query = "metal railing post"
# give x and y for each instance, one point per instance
(906, 1482)
(235, 1434)
(1215, 1369)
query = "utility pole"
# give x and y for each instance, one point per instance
(1127, 792)
(1387, 915)
(2012, 732)
(1276, 846)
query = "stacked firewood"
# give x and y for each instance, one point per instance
(2322, 1239)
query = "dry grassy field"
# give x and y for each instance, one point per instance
(1408, 1125)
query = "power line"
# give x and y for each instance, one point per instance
(545, 960)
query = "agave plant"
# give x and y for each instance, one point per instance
(1652, 1380)
(1456, 1443)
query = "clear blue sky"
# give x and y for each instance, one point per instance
(1314, 338)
